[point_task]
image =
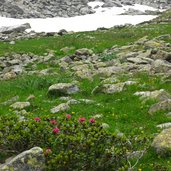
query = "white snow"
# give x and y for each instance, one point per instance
(104, 17)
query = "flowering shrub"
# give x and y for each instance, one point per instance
(68, 143)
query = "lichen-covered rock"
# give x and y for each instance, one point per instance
(163, 105)
(61, 89)
(112, 88)
(160, 66)
(20, 105)
(9, 75)
(31, 160)
(108, 71)
(84, 51)
(109, 88)
(159, 95)
(59, 108)
(162, 142)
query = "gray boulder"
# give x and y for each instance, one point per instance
(109, 88)
(60, 108)
(61, 89)
(17, 28)
(159, 95)
(31, 160)
(163, 105)
(162, 142)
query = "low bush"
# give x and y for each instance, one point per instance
(68, 143)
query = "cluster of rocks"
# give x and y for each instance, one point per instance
(16, 64)
(45, 8)
(18, 32)
(132, 11)
(64, 8)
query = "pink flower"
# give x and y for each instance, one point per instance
(56, 130)
(81, 120)
(54, 122)
(37, 119)
(68, 116)
(92, 120)
(48, 151)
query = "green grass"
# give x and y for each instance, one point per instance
(123, 111)
(97, 41)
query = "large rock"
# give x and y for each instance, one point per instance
(44, 8)
(162, 142)
(61, 89)
(31, 160)
(17, 28)
(163, 105)
(109, 88)
(159, 95)
(161, 66)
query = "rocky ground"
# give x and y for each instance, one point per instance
(53, 8)
(145, 55)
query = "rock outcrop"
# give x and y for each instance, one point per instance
(31, 160)
(64, 8)
(44, 8)
(18, 28)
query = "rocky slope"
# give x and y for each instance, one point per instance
(63, 8)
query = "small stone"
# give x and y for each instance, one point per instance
(9, 75)
(84, 51)
(60, 108)
(97, 116)
(73, 102)
(20, 105)
(168, 115)
(65, 98)
(10, 101)
(105, 125)
(12, 43)
(87, 101)
(31, 97)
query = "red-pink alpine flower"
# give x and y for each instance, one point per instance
(92, 120)
(48, 151)
(56, 130)
(68, 116)
(81, 120)
(37, 119)
(54, 122)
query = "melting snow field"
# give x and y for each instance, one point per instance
(104, 17)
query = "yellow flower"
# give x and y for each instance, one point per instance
(139, 169)
(72, 112)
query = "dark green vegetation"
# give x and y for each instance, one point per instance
(123, 111)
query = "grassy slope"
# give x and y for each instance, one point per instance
(98, 41)
(127, 114)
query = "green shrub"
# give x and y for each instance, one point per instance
(108, 57)
(69, 144)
